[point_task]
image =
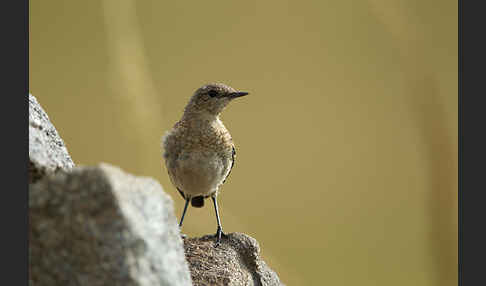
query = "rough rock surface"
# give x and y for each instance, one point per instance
(100, 226)
(47, 153)
(235, 262)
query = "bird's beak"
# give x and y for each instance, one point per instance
(237, 94)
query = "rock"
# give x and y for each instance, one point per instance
(47, 153)
(235, 262)
(100, 226)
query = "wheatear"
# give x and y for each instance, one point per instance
(199, 152)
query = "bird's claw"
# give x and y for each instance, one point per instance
(218, 235)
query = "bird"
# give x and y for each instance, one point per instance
(199, 152)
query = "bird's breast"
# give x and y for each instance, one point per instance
(198, 155)
(197, 172)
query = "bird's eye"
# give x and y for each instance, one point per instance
(212, 93)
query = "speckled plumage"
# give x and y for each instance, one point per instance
(198, 155)
(199, 152)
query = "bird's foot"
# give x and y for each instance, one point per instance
(218, 235)
(183, 236)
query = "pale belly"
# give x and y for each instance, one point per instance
(198, 174)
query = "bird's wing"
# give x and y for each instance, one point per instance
(233, 156)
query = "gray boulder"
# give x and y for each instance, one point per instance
(101, 226)
(47, 153)
(235, 262)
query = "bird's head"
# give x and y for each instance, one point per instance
(212, 98)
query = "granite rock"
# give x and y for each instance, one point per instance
(47, 152)
(101, 226)
(236, 261)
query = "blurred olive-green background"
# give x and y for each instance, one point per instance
(346, 169)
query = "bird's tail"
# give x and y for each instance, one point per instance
(197, 202)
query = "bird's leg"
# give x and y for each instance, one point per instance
(219, 232)
(183, 214)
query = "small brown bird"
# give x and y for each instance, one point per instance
(199, 151)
